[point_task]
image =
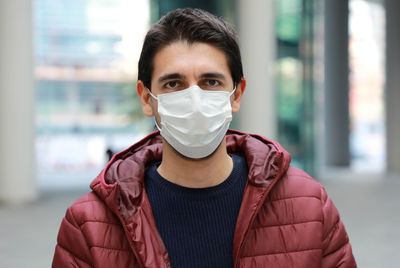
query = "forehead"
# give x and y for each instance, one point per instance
(189, 60)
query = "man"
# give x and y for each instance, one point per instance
(196, 194)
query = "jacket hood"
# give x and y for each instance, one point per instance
(121, 183)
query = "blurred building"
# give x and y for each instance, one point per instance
(68, 72)
(86, 54)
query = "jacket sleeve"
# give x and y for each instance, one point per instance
(337, 250)
(71, 249)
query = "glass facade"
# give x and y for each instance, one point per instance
(86, 54)
(367, 80)
(295, 81)
(223, 8)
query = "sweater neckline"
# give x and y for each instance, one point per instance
(239, 166)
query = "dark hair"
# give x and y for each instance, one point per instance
(190, 25)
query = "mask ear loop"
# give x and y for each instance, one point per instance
(155, 121)
(157, 126)
(151, 94)
(233, 91)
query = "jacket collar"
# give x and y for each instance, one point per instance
(125, 171)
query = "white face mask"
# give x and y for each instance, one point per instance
(194, 121)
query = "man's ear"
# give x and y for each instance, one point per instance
(237, 96)
(145, 98)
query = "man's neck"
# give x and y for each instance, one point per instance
(195, 173)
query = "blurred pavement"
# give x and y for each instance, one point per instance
(369, 208)
(28, 233)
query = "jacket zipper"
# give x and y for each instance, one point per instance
(260, 203)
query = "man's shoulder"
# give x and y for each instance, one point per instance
(296, 199)
(296, 184)
(90, 208)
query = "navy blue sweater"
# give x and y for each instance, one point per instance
(197, 225)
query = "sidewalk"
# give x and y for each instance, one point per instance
(370, 210)
(28, 233)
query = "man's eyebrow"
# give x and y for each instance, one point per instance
(170, 76)
(213, 75)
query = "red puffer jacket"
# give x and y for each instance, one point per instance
(286, 218)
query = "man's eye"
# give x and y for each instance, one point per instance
(172, 84)
(212, 83)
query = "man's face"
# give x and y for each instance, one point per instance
(181, 65)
